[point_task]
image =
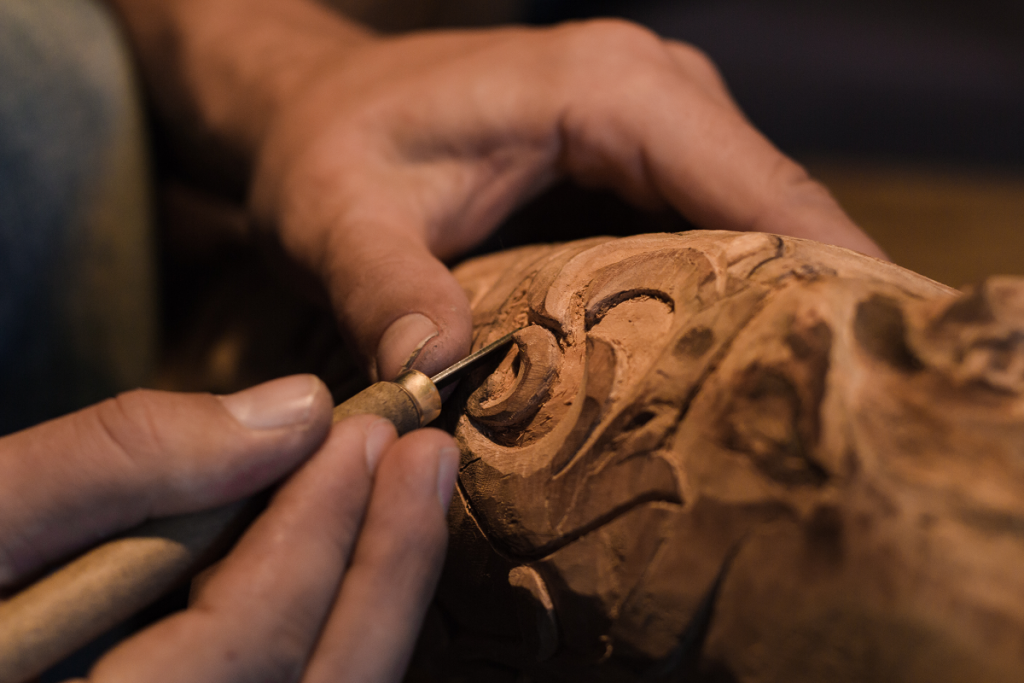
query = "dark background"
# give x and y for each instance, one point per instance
(906, 79)
(911, 111)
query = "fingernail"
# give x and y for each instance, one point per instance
(284, 402)
(401, 344)
(378, 436)
(447, 469)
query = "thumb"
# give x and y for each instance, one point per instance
(66, 483)
(401, 305)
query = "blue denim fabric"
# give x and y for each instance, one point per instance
(76, 316)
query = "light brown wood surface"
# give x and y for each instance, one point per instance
(737, 457)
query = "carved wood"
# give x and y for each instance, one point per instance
(736, 457)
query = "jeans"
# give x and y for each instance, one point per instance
(77, 305)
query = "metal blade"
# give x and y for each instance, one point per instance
(455, 372)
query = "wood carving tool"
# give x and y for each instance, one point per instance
(55, 616)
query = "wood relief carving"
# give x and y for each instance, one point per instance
(736, 457)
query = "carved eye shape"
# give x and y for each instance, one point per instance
(513, 394)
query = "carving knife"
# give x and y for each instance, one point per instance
(55, 616)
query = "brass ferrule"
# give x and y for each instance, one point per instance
(423, 393)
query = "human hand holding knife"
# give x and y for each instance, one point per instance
(54, 616)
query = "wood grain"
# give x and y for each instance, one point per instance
(737, 457)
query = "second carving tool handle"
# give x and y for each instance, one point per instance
(67, 609)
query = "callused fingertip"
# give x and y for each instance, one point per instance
(285, 402)
(379, 435)
(402, 343)
(447, 470)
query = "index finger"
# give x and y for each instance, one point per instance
(67, 483)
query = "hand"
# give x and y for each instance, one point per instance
(373, 158)
(411, 149)
(331, 580)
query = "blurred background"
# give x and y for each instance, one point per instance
(912, 111)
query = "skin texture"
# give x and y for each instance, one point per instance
(736, 457)
(367, 160)
(337, 569)
(364, 161)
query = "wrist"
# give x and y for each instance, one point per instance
(218, 71)
(285, 43)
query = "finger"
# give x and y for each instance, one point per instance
(258, 616)
(647, 126)
(69, 482)
(390, 582)
(697, 67)
(403, 306)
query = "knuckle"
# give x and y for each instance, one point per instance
(619, 36)
(129, 424)
(122, 442)
(698, 66)
(695, 58)
(607, 61)
(156, 441)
